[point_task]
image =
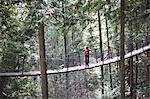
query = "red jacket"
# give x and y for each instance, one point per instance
(86, 51)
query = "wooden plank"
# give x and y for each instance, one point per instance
(76, 68)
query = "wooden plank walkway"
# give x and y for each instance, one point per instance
(76, 68)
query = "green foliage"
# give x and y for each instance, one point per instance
(18, 36)
(18, 25)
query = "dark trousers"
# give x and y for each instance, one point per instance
(87, 60)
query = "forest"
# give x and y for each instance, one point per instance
(42, 49)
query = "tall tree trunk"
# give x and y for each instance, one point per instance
(60, 88)
(3, 82)
(66, 50)
(148, 80)
(86, 84)
(72, 37)
(147, 66)
(1, 87)
(136, 72)
(72, 33)
(122, 51)
(44, 86)
(65, 37)
(108, 47)
(55, 86)
(117, 52)
(131, 80)
(101, 51)
(137, 60)
(67, 85)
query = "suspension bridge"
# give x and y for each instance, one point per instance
(77, 68)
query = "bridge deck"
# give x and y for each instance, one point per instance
(77, 68)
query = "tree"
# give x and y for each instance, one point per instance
(100, 38)
(109, 49)
(44, 86)
(130, 47)
(122, 51)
